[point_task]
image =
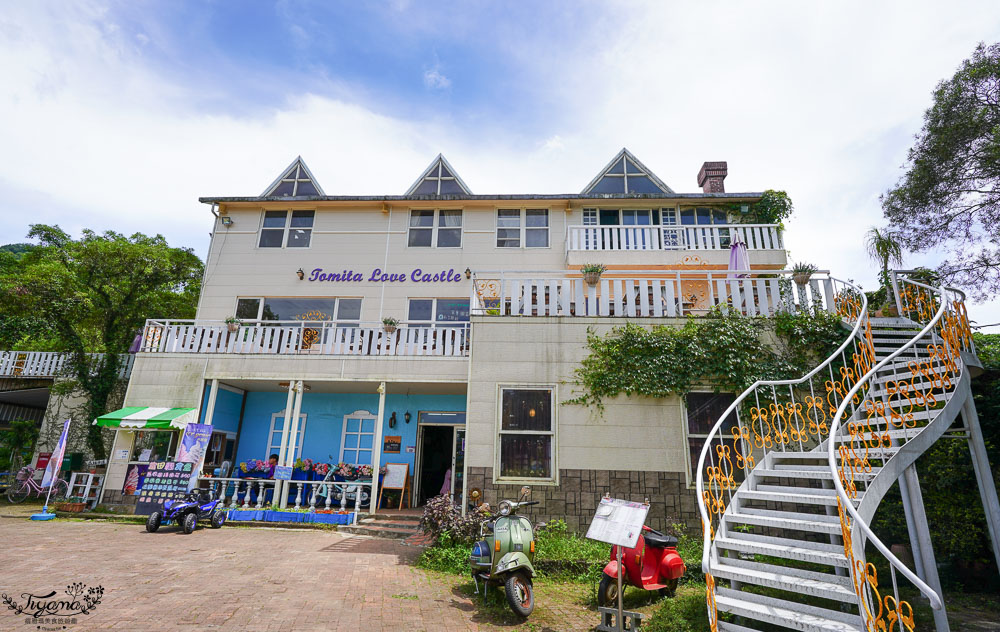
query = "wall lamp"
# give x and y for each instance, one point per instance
(468, 273)
(301, 274)
(407, 416)
(226, 221)
(392, 420)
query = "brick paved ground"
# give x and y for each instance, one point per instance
(252, 579)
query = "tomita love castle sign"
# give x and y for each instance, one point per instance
(417, 275)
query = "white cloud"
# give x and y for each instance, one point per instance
(818, 100)
(434, 79)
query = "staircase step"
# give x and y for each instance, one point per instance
(787, 489)
(803, 551)
(816, 526)
(725, 626)
(783, 581)
(789, 614)
(781, 497)
(378, 531)
(822, 474)
(793, 515)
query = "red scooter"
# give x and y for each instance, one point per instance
(653, 564)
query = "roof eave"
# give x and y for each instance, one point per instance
(498, 196)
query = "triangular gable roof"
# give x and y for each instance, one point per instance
(440, 178)
(295, 181)
(626, 174)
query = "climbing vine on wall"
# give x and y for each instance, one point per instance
(722, 352)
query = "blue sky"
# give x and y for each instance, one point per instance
(118, 115)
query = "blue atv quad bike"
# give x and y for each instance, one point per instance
(197, 505)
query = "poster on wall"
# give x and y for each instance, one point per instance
(392, 444)
(165, 480)
(134, 479)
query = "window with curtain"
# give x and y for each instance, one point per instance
(435, 229)
(527, 433)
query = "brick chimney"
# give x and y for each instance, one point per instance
(712, 175)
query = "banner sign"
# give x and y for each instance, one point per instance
(165, 480)
(194, 443)
(55, 461)
(417, 275)
(135, 478)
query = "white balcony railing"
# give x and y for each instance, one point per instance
(46, 363)
(755, 236)
(624, 293)
(303, 338)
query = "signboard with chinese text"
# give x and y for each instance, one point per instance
(165, 480)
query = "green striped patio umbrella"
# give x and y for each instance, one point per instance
(148, 417)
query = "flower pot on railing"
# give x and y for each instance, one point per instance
(233, 325)
(389, 329)
(592, 278)
(801, 279)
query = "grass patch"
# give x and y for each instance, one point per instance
(686, 612)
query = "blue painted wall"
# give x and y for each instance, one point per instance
(227, 410)
(325, 418)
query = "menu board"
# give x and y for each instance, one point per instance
(618, 522)
(165, 480)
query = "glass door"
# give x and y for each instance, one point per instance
(458, 466)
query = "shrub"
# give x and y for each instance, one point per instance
(685, 612)
(442, 516)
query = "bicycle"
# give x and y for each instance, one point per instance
(24, 485)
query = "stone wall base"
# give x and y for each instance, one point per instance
(576, 497)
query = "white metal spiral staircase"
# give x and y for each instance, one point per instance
(794, 471)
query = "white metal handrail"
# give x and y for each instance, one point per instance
(845, 500)
(715, 434)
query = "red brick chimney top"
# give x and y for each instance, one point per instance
(711, 176)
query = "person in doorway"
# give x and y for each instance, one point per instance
(272, 462)
(446, 488)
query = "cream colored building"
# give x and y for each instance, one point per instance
(490, 314)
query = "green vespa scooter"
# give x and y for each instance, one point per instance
(506, 554)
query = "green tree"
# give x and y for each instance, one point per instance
(94, 294)
(884, 249)
(949, 198)
(15, 440)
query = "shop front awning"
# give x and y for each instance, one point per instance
(149, 417)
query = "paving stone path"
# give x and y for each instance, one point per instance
(246, 579)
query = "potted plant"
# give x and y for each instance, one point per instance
(592, 272)
(233, 324)
(389, 324)
(802, 272)
(75, 504)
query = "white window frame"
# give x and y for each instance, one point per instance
(285, 230)
(362, 415)
(336, 307)
(713, 210)
(435, 226)
(434, 307)
(691, 474)
(300, 434)
(523, 228)
(553, 432)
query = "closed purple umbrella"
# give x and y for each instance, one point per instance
(738, 260)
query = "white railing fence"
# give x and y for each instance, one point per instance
(673, 237)
(305, 338)
(625, 293)
(48, 363)
(247, 493)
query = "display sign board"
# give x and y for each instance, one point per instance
(618, 522)
(283, 473)
(392, 444)
(395, 475)
(165, 480)
(43, 460)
